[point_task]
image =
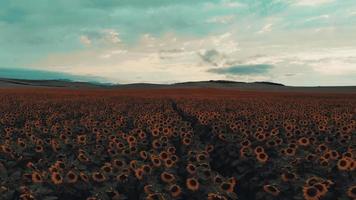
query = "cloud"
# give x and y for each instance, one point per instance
(85, 40)
(265, 29)
(111, 36)
(213, 57)
(226, 19)
(232, 4)
(321, 17)
(312, 2)
(243, 69)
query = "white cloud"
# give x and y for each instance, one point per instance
(334, 67)
(109, 54)
(224, 4)
(111, 36)
(352, 13)
(312, 2)
(265, 29)
(321, 17)
(85, 40)
(232, 4)
(226, 19)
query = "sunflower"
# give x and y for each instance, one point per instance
(218, 179)
(133, 164)
(343, 164)
(347, 154)
(322, 148)
(36, 177)
(131, 139)
(81, 139)
(27, 197)
(245, 143)
(209, 148)
(107, 168)
(313, 180)
(201, 157)
(191, 169)
(259, 150)
(174, 158)
(122, 178)
(155, 161)
(142, 135)
(156, 144)
(175, 190)
(118, 163)
(334, 154)
(290, 151)
(147, 169)
(351, 192)
(83, 158)
(148, 189)
(310, 157)
(304, 141)
(167, 177)
(233, 181)
(155, 196)
(56, 178)
(168, 163)
(213, 196)
(6, 149)
(143, 155)
(271, 189)
(84, 177)
(98, 177)
(287, 176)
(352, 165)
(192, 184)
(323, 162)
(163, 155)
(311, 193)
(71, 177)
(155, 132)
(21, 143)
(227, 187)
(171, 150)
(262, 157)
(186, 141)
(139, 173)
(322, 188)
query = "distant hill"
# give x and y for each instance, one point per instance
(4, 82)
(217, 84)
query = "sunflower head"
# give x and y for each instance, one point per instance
(175, 190)
(311, 193)
(71, 177)
(271, 189)
(351, 192)
(192, 184)
(56, 178)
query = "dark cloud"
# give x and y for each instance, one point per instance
(212, 57)
(243, 69)
(290, 74)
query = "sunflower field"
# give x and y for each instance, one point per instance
(176, 144)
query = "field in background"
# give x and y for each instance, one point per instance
(176, 144)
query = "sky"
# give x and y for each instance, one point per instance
(294, 42)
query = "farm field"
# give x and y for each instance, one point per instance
(176, 144)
